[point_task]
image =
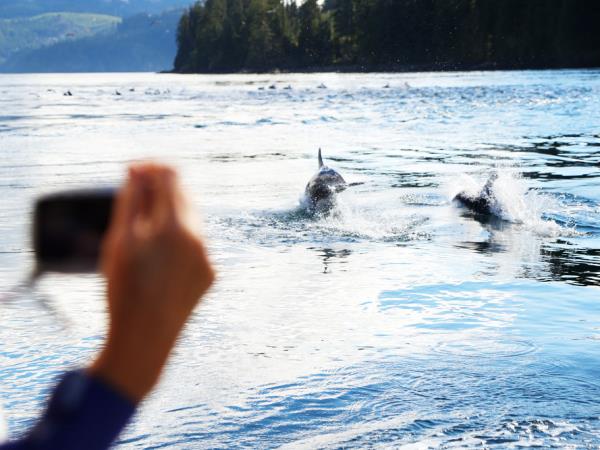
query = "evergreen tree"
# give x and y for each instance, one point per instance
(314, 39)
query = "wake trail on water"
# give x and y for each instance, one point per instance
(348, 221)
(372, 223)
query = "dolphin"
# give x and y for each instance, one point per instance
(482, 203)
(322, 187)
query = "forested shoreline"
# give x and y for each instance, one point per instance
(365, 35)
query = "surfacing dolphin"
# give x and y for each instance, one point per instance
(322, 187)
(484, 202)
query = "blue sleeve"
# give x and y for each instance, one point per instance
(83, 413)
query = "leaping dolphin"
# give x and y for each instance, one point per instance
(482, 203)
(322, 187)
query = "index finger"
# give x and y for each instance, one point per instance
(166, 195)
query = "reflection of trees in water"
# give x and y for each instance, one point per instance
(579, 266)
(570, 150)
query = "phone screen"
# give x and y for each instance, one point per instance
(69, 227)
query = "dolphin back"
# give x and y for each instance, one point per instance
(322, 187)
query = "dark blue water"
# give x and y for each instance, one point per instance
(399, 320)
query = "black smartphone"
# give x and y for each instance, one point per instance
(68, 228)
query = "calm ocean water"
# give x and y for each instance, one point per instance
(401, 320)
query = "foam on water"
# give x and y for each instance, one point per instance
(348, 221)
(577, 213)
(376, 224)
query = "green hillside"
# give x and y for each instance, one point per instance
(46, 29)
(144, 42)
(10, 9)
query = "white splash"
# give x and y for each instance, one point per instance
(352, 218)
(514, 201)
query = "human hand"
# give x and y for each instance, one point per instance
(157, 269)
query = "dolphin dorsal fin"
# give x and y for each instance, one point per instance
(320, 159)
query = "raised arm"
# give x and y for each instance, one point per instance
(157, 269)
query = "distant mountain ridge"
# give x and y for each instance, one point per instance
(121, 8)
(88, 35)
(144, 42)
(29, 33)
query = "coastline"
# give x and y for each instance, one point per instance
(390, 68)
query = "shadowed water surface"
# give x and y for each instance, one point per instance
(400, 319)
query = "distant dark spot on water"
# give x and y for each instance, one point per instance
(238, 157)
(231, 123)
(321, 119)
(270, 121)
(264, 155)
